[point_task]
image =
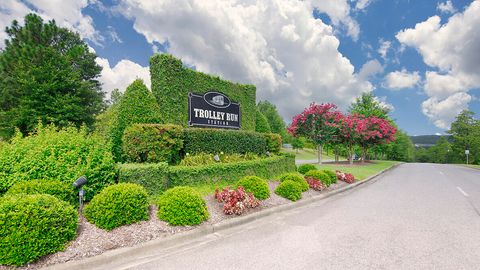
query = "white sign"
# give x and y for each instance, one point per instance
(467, 152)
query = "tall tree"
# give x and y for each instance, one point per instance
(261, 123)
(47, 73)
(367, 105)
(465, 132)
(277, 125)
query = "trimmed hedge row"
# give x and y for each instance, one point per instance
(58, 189)
(156, 178)
(205, 140)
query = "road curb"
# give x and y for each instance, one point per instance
(168, 241)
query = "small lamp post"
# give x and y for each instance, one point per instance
(82, 180)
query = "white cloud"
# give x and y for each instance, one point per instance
(397, 80)
(369, 69)
(446, 7)
(67, 13)
(362, 4)
(451, 50)
(121, 75)
(443, 112)
(384, 47)
(339, 13)
(292, 58)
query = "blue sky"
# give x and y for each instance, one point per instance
(420, 58)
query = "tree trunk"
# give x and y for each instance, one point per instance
(336, 154)
(350, 153)
(364, 154)
(320, 153)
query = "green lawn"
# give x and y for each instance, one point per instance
(307, 154)
(474, 166)
(360, 172)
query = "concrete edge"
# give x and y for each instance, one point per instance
(172, 240)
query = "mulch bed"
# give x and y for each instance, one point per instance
(92, 241)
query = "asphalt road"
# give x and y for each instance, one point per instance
(418, 216)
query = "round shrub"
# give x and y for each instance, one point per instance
(60, 190)
(295, 177)
(182, 206)
(332, 175)
(290, 190)
(32, 226)
(118, 205)
(305, 168)
(319, 175)
(255, 185)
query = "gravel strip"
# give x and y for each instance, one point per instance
(93, 241)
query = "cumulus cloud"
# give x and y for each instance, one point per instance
(67, 13)
(121, 75)
(451, 49)
(397, 80)
(446, 7)
(339, 13)
(292, 58)
(362, 4)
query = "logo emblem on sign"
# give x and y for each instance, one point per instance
(217, 100)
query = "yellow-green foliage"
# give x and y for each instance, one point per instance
(32, 226)
(261, 123)
(172, 81)
(62, 155)
(256, 185)
(274, 142)
(304, 168)
(118, 205)
(152, 143)
(61, 190)
(207, 159)
(182, 206)
(290, 190)
(295, 177)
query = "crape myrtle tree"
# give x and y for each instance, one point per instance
(372, 131)
(319, 123)
(348, 133)
(47, 74)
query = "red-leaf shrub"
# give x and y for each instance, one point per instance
(315, 184)
(345, 177)
(236, 201)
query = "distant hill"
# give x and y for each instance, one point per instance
(427, 140)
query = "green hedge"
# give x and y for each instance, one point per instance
(290, 190)
(62, 155)
(152, 143)
(266, 168)
(297, 178)
(153, 176)
(255, 185)
(274, 142)
(214, 141)
(118, 205)
(171, 83)
(32, 226)
(156, 178)
(182, 206)
(58, 189)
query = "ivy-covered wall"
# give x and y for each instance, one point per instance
(171, 83)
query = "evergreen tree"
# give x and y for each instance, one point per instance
(261, 123)
(47, 73)
(277, 125)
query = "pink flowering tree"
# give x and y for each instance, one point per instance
(349, 133)
(320, 123)
(373, 131)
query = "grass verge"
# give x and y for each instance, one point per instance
(306, 154)
(360, 171)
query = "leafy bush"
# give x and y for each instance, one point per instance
(261, 123)
(152, 176)
(256, 185)
(236, 200)
(182, 206)
(207, 159)
(332, 175)
(265, 168)
(60, 190)
(274, 142)
(319, 175)
(118, 205)
(138, 105)
(152, 143)
(214, 141)
(345, 177)
(53, 154)
(32, 226)
(315, 184)
(290, 190)
(172, 81)
(304, 168)
(295, 177)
